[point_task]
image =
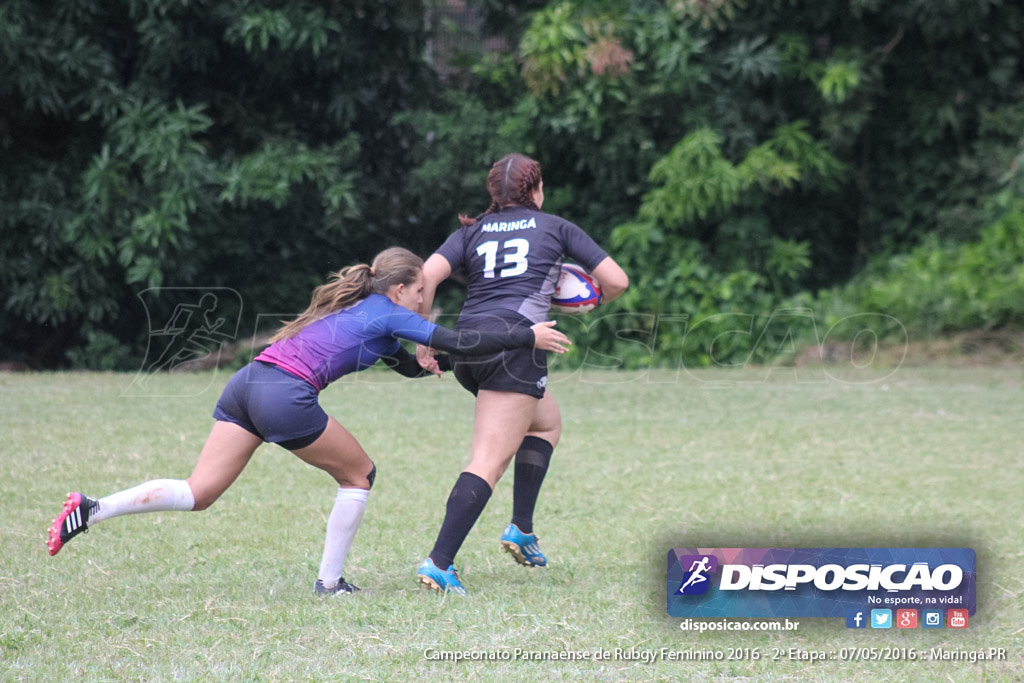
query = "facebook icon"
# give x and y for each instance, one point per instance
(855, 618)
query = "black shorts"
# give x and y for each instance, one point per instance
(520, 371)
(273, 404)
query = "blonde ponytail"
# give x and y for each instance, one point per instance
(353, 284)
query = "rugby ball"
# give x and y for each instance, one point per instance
(576, 292)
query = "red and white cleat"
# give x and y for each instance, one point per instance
(72, 520)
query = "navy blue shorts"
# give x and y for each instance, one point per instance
(273, 404)
(520, 371)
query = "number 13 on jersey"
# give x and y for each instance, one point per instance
(513, 254)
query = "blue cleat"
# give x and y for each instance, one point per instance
(522, 547)
(444, 581)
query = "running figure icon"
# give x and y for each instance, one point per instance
(697, 573)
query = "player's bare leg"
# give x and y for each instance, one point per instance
(339, 454)
(226, 453)
(502, 420)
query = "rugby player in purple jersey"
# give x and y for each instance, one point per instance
(354, 320)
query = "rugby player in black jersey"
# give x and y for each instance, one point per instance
(511, 256)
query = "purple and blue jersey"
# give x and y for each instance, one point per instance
(348, 340)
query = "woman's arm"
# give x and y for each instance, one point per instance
(480, 343)
(612, 278)
(435, 271)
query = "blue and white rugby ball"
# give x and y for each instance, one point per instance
(576, 292)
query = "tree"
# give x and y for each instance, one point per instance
(183, 143)
(776, 146)
(735, 153)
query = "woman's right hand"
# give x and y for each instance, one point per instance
(547, 338)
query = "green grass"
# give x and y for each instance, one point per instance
(648, 462)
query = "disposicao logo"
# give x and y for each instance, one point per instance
(818, 582)
(695, 579)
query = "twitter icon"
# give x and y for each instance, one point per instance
(881, 618)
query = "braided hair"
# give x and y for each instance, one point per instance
(512, 180)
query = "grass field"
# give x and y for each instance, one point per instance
(743, 458)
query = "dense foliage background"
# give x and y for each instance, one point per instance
(771, 173)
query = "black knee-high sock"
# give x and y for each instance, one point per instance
(532, 461)
(467, 500)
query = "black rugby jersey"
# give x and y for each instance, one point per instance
(512, 260)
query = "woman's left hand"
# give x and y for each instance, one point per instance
(425, 357)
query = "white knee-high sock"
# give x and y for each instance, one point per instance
(153, 496)
(342, 525)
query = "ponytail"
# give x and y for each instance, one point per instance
(351, 285)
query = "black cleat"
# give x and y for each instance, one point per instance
(342, 587)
